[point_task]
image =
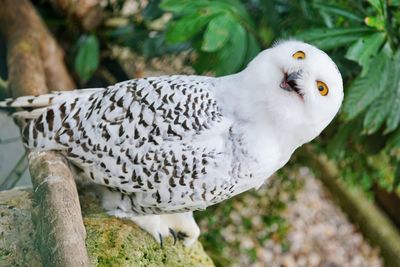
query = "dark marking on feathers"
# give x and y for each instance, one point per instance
(50, 119)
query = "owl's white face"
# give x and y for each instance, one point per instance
(298, 83)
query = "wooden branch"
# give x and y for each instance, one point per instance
(57, 207)
(88, 13)
(29, 41)
(56, 213)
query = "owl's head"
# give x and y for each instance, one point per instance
(299, 83)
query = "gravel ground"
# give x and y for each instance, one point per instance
(290, 222)
(320, 233)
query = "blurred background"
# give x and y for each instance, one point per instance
(292, 220)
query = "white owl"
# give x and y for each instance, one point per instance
(163, 147)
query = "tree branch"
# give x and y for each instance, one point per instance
(88, 13)
(35, 64)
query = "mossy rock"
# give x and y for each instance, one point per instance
(110, 241)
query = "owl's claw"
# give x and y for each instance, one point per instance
(173, 233)
(182, 235)
(161, 239)
(181, 226)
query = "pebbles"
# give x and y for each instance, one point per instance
(257, 229)
(320, 233)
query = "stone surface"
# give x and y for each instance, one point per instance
(16, 229)
(110, 241)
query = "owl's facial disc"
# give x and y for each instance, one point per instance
(290, 84)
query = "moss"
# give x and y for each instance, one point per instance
(116, 242)
(110, 241)
(16, 229)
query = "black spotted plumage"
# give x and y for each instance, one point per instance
(148, 138)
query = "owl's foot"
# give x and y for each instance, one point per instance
(181, 226)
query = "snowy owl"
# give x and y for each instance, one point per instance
(162, 147)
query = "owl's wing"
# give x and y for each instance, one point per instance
(140, 135)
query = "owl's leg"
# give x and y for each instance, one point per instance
(178, 225)
(181, 226)
(119, 205)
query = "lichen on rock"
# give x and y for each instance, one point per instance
(110, 241)
(119, 242)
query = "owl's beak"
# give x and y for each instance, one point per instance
(289, 82)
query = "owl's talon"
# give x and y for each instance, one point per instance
(182, 235)
(173, 233)
(161, 240)
(181, 226)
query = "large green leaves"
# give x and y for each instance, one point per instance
(221, 32)
(365, 90)
(393, 118)
(187, 27)
(228, 59)
(377, 112)
(331, 38)
(364, 49)
(87, 58)
(378, 5)
(337, 10)
(377, 93)
(217, 33)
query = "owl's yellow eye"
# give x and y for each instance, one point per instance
(322, 88)
(299, 55)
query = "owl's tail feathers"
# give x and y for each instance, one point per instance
(46, 100)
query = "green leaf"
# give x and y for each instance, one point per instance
(337, 145)
(337, 10)
(187, 27)
(375, 22)
(327, 18)
(393, 141)
(331, 38)
(394, 3)
(217, 32)
(176, 6)
(396, 181)
(377, 113)
(231, 58)
(237, 8)
(366, 89)
(364, 49)
(227, 60)
(87, 58)
(252, 48)
(393, 119)
(377, 4)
